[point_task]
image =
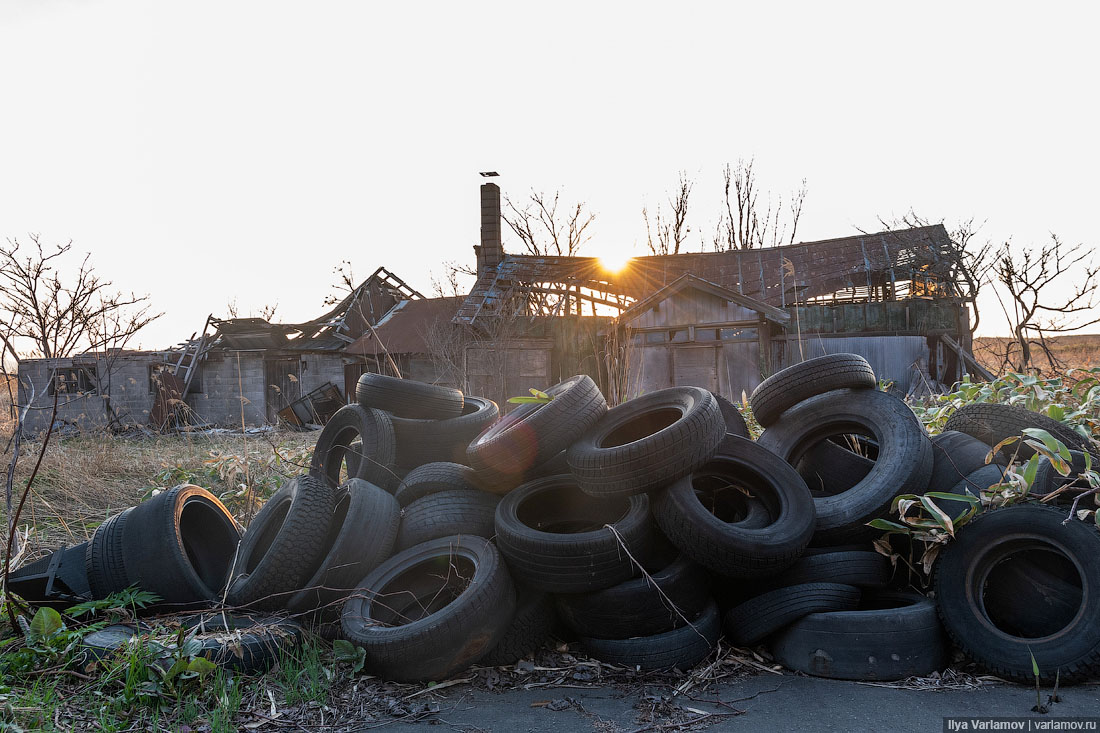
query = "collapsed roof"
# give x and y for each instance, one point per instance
(347, 320)
(889, 265)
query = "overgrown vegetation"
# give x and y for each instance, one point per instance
(1073, 399)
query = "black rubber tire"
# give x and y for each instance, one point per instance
(1030, 597)
(969, 565)
(735, 421)
(894, 635)
(105, 560)
(532, 434)
(67, 585)
(830, 469)
(431, 478)
(758, 618)
(973, 484)
(787, 387)
(530, 628)
(432, 610)
(180, 545)
(638, 607)
(991, 423)
(236, 642)
(500, 484)
(718, 541)
(554, 538)
(372, 431)
(283, 545)
(647, 443)
(680, 648)
(446, 513)
(903, 466)
(955, 456)
(437, 441)
(110, 640)
(854, 567)
(1048, 480)
(245, 644)
(361, 534)
(408, 398)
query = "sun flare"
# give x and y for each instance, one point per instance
(615, 263)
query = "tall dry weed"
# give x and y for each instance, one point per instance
(87, 477)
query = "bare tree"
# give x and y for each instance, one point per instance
(61, 317)
(667, 233)
(1048, 288)
(544, 230)
(746, 223)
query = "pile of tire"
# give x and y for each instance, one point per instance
(638, 531)
(436, 534)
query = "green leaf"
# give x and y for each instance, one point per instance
(343, 650)
(201, 666)
(885, 524)
(1056, 412)
(954, 497)
(176, 669)
(46, 623)
(939, 515)
(1052, 444)
(907, 498)
(1030, 469)
(1034, 664)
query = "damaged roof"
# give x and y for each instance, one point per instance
(775, 276)
(346, 321)
(407, 328)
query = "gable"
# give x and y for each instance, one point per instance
(690, 306)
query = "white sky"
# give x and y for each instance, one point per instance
(211, 151)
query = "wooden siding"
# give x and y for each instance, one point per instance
(508, 369)
(692, 307)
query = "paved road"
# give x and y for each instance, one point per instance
(770, 703)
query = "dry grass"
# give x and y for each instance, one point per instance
(88, 477)
(1075, 352)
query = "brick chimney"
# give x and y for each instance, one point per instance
(490, 252)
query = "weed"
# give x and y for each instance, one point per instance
(226, 703)
(302, 675)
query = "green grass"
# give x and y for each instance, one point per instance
(302, 675)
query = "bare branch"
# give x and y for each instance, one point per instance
(545, 232)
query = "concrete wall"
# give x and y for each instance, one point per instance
(124, 377)
(227, 380)
(230, 379)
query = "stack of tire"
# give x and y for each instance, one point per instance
(634, 528)
(435, 534)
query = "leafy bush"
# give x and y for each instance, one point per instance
(1073, 399)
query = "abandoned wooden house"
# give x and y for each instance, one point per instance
(725, 320)
(719, 320)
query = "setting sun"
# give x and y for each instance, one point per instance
(615, 262)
